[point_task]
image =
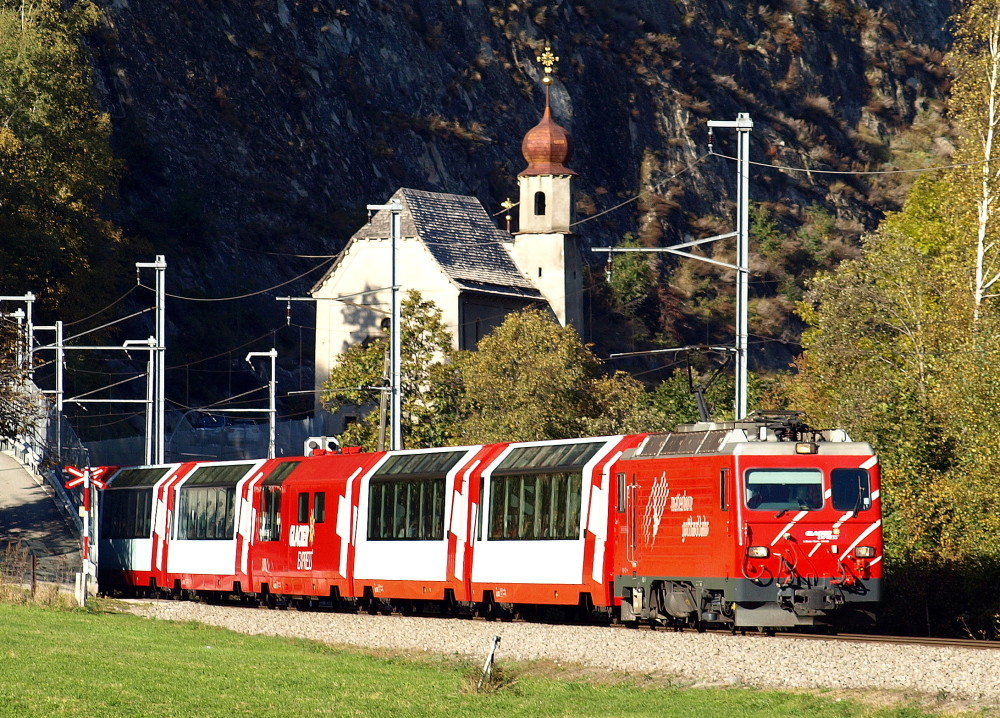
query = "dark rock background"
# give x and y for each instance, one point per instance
(255, 132)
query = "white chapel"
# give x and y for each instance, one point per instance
(450, 250)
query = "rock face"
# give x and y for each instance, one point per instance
(257, 130)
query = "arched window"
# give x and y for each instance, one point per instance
(539, 203)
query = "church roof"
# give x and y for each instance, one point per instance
(459, 235)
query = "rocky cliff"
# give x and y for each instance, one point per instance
(255, 132)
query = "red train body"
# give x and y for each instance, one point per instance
(747, 525)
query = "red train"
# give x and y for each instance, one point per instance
(753, 524)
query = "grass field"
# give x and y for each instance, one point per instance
(104, 664)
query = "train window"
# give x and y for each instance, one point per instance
(850, 489)
(134, 478)
(280, 472)
(563, 457)
(206, 513)
(406, 509)
(723, 495)
(269, 528)
(621, 493)
(535, 507)
(784, 489)
(303, 516)
(126, 513)
(319, 507)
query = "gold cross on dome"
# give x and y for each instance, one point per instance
(548, 61)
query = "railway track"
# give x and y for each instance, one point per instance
(931, 642)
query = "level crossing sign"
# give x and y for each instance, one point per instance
(82, 475)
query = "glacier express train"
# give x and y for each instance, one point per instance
(756, 524)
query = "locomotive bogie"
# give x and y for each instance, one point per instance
(691, 528)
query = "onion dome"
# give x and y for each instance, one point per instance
(547, 147)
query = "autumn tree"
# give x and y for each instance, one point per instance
(56, 165)
(428, 385)
(533, 379)
(974, 106)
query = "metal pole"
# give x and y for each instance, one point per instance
(272, 411)
(161, 348)
(395, 209)
(159, 365)
(397, 405)
(60, 357)
(743, 124)
(272, 406)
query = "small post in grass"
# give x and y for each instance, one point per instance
(488, 666)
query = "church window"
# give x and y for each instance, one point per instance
(539, 203)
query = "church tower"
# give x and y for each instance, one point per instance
(544, 247)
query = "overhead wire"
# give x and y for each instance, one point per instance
(241, 296)
(860, 172)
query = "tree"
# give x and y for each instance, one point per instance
(56, 166)
(18, 407)
(975, 107)
(532, 379)
(629, 275)
(428, 384)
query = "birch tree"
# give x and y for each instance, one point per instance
(975, 108)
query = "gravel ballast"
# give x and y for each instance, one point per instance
(941, 675)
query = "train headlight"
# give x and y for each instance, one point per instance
(806, 448)
(864, 551)
(758, 552)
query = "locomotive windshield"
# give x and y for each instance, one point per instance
(851, 490)
(784, 489)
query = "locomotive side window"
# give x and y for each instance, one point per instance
(319, 507)
(723, 496)
(784, 489)
(851, 489)
(621, 493)
(406, 509)
(535, 506)
(303, 515)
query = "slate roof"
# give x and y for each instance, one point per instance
(459, 235)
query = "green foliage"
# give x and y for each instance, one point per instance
(532, 379)
(428, 386)
(56, 162)
(764, 230)
(629, 276)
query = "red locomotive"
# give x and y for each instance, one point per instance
(748, 524)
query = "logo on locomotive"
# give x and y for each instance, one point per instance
(654, 509)
(299, 535)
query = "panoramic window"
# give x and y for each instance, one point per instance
(406, 509)
(784, 489)
(406, 497)
(126, 513)
(535, 507)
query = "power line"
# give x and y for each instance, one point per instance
(243, 296)
(860, 173)
(100, 311)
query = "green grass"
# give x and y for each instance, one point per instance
(86, 663)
